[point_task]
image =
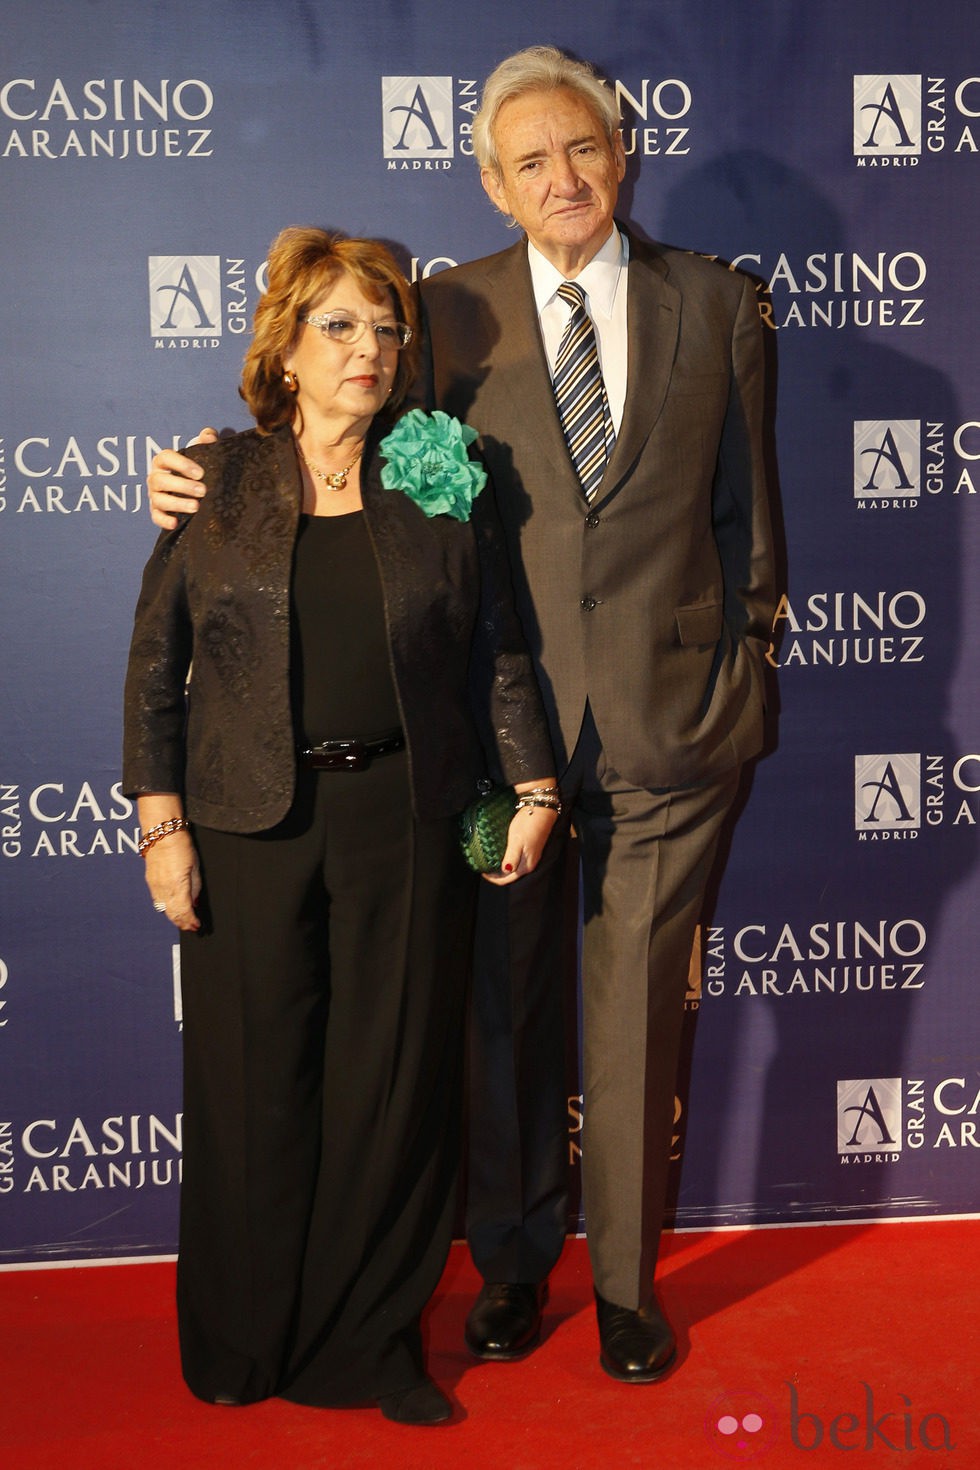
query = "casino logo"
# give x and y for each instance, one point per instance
(841, 629)
(840, 288)
(126, 119)
(68, 819)
(656, 117)
(900, 463)
(869, 1116)
(899, 119)
(774, 961)
(887, 796)
(67, 474)
(888, 117)
(420, 129)
(887, 459)
(185, 296)
(417, 119)
(123, 1151)
(878, 1117)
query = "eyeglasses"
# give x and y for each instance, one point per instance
(341, 327)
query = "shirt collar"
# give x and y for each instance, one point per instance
(599, 279)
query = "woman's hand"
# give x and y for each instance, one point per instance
(529, 830)
(176, 483)
(173, 874)
(173, 877)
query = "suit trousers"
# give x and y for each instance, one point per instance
(645, 861)
(323, 1041)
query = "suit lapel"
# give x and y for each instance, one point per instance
(653, 317)
(520, 364)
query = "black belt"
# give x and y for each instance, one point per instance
(349, 755)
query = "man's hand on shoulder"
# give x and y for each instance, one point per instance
(176, 483)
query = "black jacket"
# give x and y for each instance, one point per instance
(216, 594)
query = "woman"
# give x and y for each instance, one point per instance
(344, 600)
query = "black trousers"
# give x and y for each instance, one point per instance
(323, 1024)
(645, 858)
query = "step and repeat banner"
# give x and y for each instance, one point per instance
(148, 156)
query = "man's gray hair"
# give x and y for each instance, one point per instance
(538, 69)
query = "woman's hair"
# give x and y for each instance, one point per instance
(303, 265)
(538, 69)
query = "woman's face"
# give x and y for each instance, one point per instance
(344, 380)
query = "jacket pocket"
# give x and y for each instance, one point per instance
(701, 623)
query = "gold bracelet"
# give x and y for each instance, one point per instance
(162, 829)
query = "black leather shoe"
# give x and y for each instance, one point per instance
(423, 1404)
(505, 1320)
(636, 1346)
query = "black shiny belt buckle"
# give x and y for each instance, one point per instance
(349, 755)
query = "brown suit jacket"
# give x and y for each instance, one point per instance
(216, 591)
(656, 602)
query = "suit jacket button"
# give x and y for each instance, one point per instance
(588, 603)
(592, 520)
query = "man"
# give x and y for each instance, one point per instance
(621, 420)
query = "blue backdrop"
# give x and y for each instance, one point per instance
(148, 156)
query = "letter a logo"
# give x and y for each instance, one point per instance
(185, 295)
(887, 115)
(869, 1115)
(869, 1110)
(887, 458)
(417, 114)
(887, 793)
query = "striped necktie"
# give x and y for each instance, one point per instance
(581, 394)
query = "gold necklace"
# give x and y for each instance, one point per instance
(336, 481)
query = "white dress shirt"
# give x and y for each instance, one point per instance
(604, 282)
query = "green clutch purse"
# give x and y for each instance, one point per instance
(483, 828)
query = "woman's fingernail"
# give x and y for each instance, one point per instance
(508, 867)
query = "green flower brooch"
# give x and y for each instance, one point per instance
(427, 460)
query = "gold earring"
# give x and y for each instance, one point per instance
(290, 381)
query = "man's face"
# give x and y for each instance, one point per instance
(559, 174)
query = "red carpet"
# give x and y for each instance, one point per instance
(807, 1345)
